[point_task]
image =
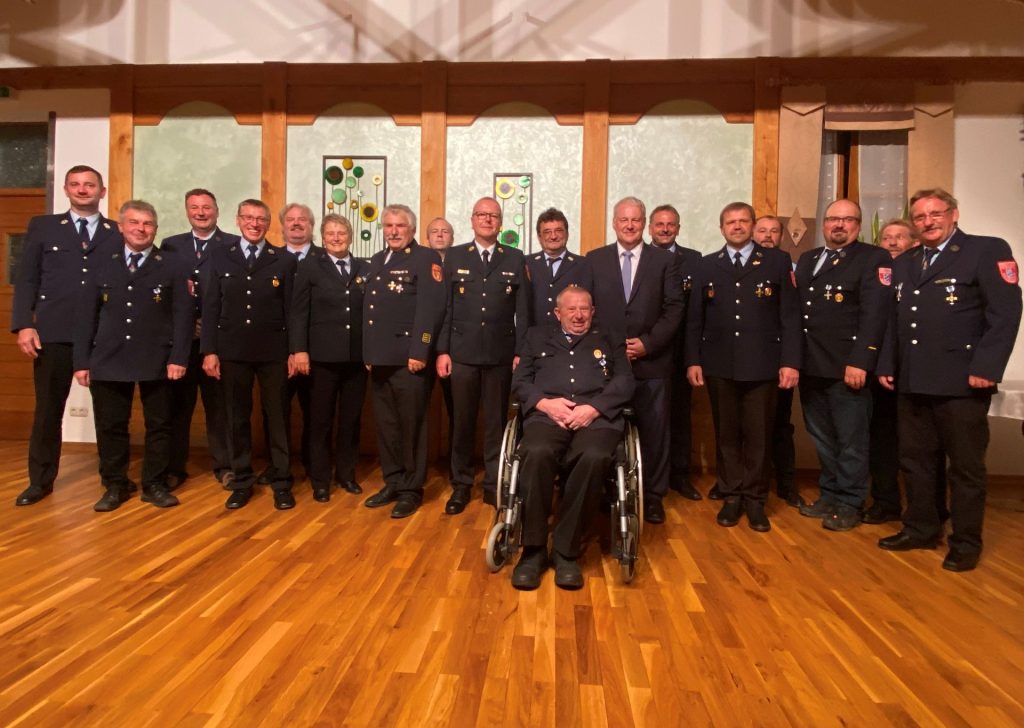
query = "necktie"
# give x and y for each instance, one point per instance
(200, 244)
(825, 261)
(251, 259)
(929, 257)
(627, 274)
(553, 264)
(737, 261)
(343, 269)
(297, 254)
(486, 256)
(83, 231)
(134, 260)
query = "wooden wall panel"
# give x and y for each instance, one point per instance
(274, 164)
(594, 200)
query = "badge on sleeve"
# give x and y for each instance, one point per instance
(885, 276)
(1008, 271)
(435, 272)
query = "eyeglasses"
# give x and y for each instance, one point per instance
(848, 219)
(933, 216)
(254, 218)
(487, 215)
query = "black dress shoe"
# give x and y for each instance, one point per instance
(654, 510)
(405, 507)
(567, 573)
(321, 493)
(111, 500)
(959, 561)
(688, 491)
(238, 499)
(756, 516)
(843, 518)
(381, 498)
(174, 480)
(531, 566)
(729, 516)
(903, 541)
(33, 494)
(283, 500)
(820, 508)
(878, 514)
(715, 493)
(350, 486)
(159, 497)
(458, 501)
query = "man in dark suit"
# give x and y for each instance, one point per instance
(845, 289)
(664, 229)
(134, 325)
(326, 335)
(555, 268)
(246, 299)
(958, 308)
(440, 236)
(193, 249)
(404, 310)
(638, 302)
(56, 255)
(487, 315)
(573, 383)
(743, 341)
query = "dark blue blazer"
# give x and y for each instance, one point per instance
(574, 270)
(132, 325)
(182, 246)
(52, 270)
(327, 311)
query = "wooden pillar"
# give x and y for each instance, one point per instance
(274, 159)
(594, 202)
(122, 139)
(767, 98)
(433, 144)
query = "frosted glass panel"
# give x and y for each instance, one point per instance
(883, 179)
(23, 154)
(685, 154)
(369, 136)
(196, 145)
(518, 140)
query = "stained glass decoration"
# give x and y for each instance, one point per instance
(355, 186)
(514, 191)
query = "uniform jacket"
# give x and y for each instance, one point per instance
(744, 325)
(688, 260)
(845, 308)
(403, 308)
(488, 309)
(132, 325)
(245, 313)
(182, 246)
(52, 272)
(574, 270)
(327, 311)
(956, 319)
(591, 370)
(654, 309)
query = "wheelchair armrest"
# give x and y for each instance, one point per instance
(514, 408)
(628, 413)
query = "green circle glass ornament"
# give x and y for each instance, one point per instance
(522, 199)
(333, 175)
(365, 235)
(510, 238)
(525, 182)
(517, 219)
(350, 182)
(338, 195)
(357, 172)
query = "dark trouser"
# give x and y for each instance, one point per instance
(449, 408)
(838, 420)
(112, 410)
(51, 375)
(783, 449)
(473, 388)
(546, 450)
(680, 428)
(958, 426)
(297, 387)
(743, 414)
(651, 404)
(238, 377)
(400, 402)
(185, 391)
(337, 391)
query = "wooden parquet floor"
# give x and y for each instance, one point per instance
(336, 615)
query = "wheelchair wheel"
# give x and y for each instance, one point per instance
(506, 457)
(630, 546)
(503, 542)
(634, 474)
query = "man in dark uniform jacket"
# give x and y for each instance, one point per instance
(958, 308)
(134, 325)
(573, 383)
(664, 229)
(194, 249)
(56, 255)
(743, 340)
(638, 300)
(403, 309)
(487, 315)
(555, 268)
(845, 291)
(246, 299)
(326, 335)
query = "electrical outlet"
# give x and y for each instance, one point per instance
(79, 411)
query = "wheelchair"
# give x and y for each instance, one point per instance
(625, 487)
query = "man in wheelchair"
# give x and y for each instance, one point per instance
(573, 384)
